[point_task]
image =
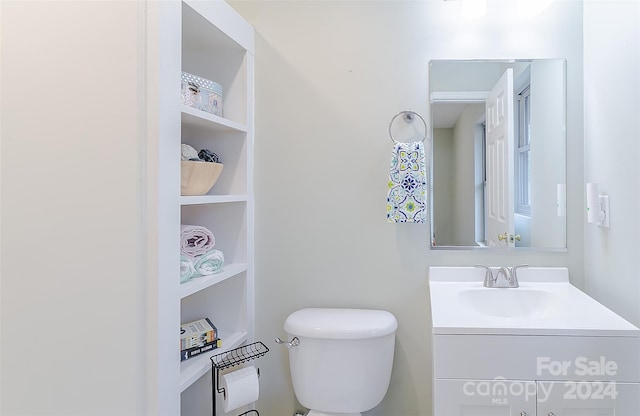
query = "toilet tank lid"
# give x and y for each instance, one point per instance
(340, 323)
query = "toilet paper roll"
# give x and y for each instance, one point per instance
(241, 388)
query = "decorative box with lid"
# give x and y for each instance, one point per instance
(201, 93)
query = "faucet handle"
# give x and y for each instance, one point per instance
(514, 270)
(488, 281)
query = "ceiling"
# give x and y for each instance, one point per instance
(444, 115)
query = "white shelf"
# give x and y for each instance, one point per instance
(217, 44)
(192, 117)
(212, 199)
(199, 283)
(191, 370)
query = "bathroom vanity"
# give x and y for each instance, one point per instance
(544, 348)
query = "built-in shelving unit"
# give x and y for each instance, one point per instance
(208, 39)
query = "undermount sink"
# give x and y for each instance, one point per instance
(546, 303)
(509, 303)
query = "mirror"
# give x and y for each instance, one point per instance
(498, 153)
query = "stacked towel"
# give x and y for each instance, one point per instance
(195, 240)
(204, 265)
(209, 263)
(197, 255)
(187, 270)
(406, 200)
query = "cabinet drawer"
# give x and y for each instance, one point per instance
(484, 398)
(536, 357)
(588, 398)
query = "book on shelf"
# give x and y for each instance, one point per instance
(197, 333)
(192, 352)
(198, 337)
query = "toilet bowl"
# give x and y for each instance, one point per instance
(340, 359)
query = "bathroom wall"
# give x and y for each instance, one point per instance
(464, 179)
(329, 77)
(455, 176)
(547, 152)
(443, 170)
(73, 300)
(456, 171)
(612, 151)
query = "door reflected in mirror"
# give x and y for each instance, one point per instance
(498, 153)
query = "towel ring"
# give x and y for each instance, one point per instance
(407, 115)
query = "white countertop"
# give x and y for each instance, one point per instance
(564, 309)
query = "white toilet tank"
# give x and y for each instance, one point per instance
(344, 359)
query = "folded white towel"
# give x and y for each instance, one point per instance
(209, 263)
(195, 240)
(187, 271)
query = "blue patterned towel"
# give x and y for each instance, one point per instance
(406, 200)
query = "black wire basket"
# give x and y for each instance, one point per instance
(230, 359)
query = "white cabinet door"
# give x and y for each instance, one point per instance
(588, 399)
(484, 398)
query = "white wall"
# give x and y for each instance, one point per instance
(465, 76)
(443, 171)
(612, 150)
(547, 152)
(329, 77)
(464, 179)
(73, 301)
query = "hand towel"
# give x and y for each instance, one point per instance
(195, 240)
(209, 263)
(187, 270)
(407, 188)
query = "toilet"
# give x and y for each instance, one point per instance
(340, 359)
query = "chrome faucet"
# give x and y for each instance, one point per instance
(510, 276)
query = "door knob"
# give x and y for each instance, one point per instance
(515, 237)
(502, 237)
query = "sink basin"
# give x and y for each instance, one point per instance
(546, 303)
(508, 303)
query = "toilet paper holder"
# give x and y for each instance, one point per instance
(230, 359)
